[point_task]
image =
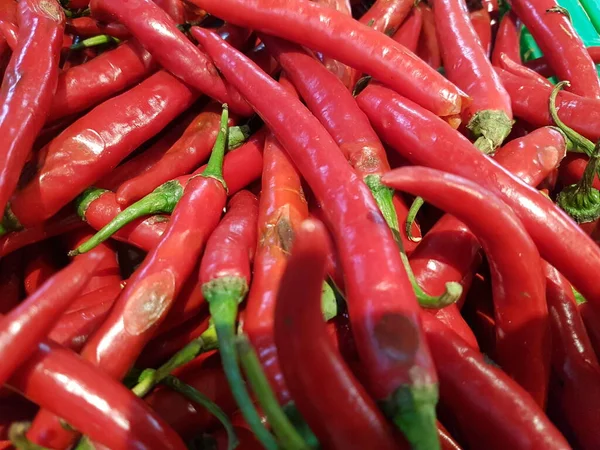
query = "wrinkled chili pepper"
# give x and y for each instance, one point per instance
(563, 48)
(507, 40)
(26, 100)
(489, 117)
(443, 148)
(353, 420)
(408, 33)
(381, 311)
(342, 38)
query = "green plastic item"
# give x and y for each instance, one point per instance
(592, 7)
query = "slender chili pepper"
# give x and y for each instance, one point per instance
(37, 54)
(89, 27)
(352, 420)
(11, 281)
(429, 47)
(10, 32)
(169, 46)
(186, 154)
(174, 8)
(39, 268)
(482, 24)
(408, 33)
(96, 297)
(164, 198)
(540, 65)
(189, 303)
(342, 38)
(507, 40)
(573, 359)
(447, 442)
(560, 43)
(334, 106)
(521, 314)
(27, 324)
(515, 421)
(443, 148)
(466, 64)
(384, 312)
(572, 168)
(48, 378)
(386, 16)
(520, 70)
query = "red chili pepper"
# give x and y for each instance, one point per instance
(386, 16)
(553, 31)
(169, 46)
(429, 47)
(39, 268)
(84, 86)
(384, 311)
(482, 24)
(96, 143)
(27, 324)
(410, 30)
(522, 324)
(11, 281)
(447, 442)
(188, 304)
(10, 32)
(443, 148)
(574, 360)
(520, 70)
(353, 420)
(529, 101)
(515, 421)
(489, 117)
(37, 54)
(48, 378)
(507, 40)
(591, 318)
(89, 27)
(540, 65)
(572, 168)
(192, 148)
(95, 297)
(174, 8)
(342, 38)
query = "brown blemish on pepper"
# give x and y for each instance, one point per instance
(50, 9)
(397, 337)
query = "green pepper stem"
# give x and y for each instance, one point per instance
(17, 436)
(383, 196)
(288, 436)
(417, 203)
(9, 222)
(237, 136)
(214, 167)
(490, 127)
(329, 305)
(95, 41)
(161, 200)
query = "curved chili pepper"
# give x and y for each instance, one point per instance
(520, 309)
(186, 154)
(507, 40)
(169, 46)
(540, 65)
(88, 27)
(10, 32)
(515, 421)
(36, 315)
(353, 420)
(489, 117)
(57, 379)
(174, 8)
(39, 268)
(482, 24)
(443, 148)
(573, 359)
(41, 33)
(572, 168)
(408, 33)
(429, 47)
(560, 43)
(521, 71)
(11, 281)
(96, 143)
(342, 38)
(386, 16)
(384, 311)
(88, 84)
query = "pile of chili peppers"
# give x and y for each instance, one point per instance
(294, 224)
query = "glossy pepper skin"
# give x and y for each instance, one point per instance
(507, 40)
(540, 65)
(340, 37)
(444, 149)
(515, 421)
(58, 379)
(561, 45)
(408, 33)
(88, 27)
(386, 16)
(334, 404)
(481, 22)
(169, 46)
(26, 100)
(382, 304)
(429, 46)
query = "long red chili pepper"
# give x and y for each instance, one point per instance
(169, 46)
(529, 101)
(522, 324)
(96, 143)
(443, 148)
(10, 32)
(507, 40)
(410, 30)
(342, 38)
(482, 25)
(353, 420)
(386, 16)
(560, 43)
(185, 155)
(540, 65)
(429, 47)
(468, 385)
(573, 359)
(48, 378)
(382, 305)
(489, 117)
(27, 324)
(572, 168)
(37, 54)
(88, 27)
(519, 70)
